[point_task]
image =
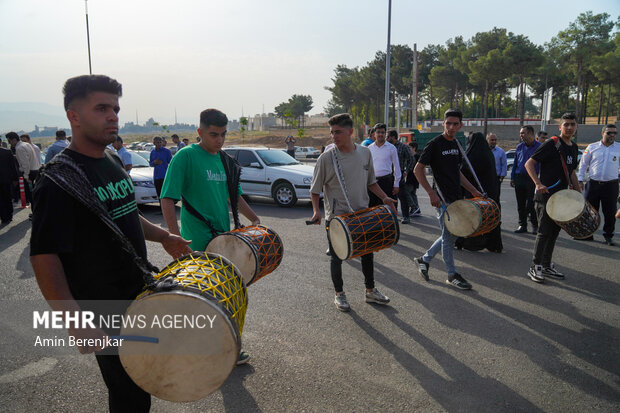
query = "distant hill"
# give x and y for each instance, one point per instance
(23, 116)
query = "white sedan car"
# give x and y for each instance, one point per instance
(272, 173)
(142, 177)
(305, 152)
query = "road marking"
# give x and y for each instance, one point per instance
(36, 368)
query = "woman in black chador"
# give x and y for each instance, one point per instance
(483, 162)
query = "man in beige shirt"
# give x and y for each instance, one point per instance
(359, 176)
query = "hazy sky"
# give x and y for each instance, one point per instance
(229, 54)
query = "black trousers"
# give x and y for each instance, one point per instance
(604, 194)
(123, 394)
(6, 202)
(386, 183)
(291, 152)
(548, 232)
(403, 198)
(524, 191)
(158, 184)
(336, 268)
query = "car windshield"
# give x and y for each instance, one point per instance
(276, 158)
(137, 161)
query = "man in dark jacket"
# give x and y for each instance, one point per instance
(8, 177)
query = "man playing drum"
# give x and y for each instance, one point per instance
(442, 154)
(356, 167)
(557, 159)
(73, 254)
(207, 179)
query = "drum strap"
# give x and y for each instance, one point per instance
(200, 217)
(556, 139)
(470, 167)
(340, 176)
(70, 177)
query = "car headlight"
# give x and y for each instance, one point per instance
(308, 180)
(144, 184)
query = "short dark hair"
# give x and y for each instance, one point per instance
(341, 119)
(609, 125)
(11, 136)
(25, 135)
(213, 117)
(119, 139)
(529, 128)
(453, 113)
(540, 132)
(379, 126)
(392, 134)
(371, 131)
(174, 135)
(569, 116)
(414, 145)
(81, 86)
(61, 134)
(157, 138)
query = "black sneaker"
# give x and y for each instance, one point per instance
(550, 271)
(423, 267)
(609, 242)
(459, 282)
(535, 273)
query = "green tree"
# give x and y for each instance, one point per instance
(582, 41)
(244, 123)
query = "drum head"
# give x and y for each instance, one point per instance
(464, 218)
(187, 363)
(238, 252)
(565, 205)
(339, 238)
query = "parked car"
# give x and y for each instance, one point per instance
(145, 154)
(142, 178)
(305, 152)
(510, 159)
(272, 173)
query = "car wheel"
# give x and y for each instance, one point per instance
(284, 195)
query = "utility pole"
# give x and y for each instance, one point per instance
(90, 67)
(414, 76)
(175, 116)
(387, 66)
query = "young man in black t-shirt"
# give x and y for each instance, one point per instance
(73, 253)
(444, 157)
(551, 180)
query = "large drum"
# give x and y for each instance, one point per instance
(255, 250)
(471, 217)
(194, 329)
(367, 230)
(570, 210)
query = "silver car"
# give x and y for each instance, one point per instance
(272, 173)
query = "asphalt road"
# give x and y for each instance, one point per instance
(509, 345)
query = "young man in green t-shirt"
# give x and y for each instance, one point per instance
(198, 175)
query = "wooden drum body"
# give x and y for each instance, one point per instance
(196, 354)
(359, 233)
(573, 213)
(255, 250)
(472, 217)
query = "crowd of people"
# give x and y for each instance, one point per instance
(350, 176)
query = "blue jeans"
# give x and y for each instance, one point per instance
(445, 243)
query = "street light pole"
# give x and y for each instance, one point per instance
(387, 65)
(90, 67)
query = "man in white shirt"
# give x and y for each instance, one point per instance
(387, 168)
(26, 159)
(500, 159)
(123, 153)
(37, 151)
(602, 161)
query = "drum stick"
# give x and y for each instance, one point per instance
(555, 184)
(143, 339)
